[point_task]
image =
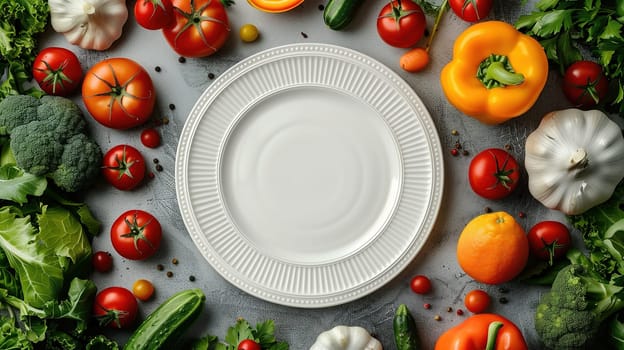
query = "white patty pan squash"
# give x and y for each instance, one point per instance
(346, 338)
(574, 160)
(90, 24)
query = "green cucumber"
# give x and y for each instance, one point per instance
(405, 332)
(339, 13)
(164, 326)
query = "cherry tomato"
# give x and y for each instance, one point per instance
(102, 261)
(115, 307)
(549, 240)
(401, 23)
(584, 84)
(199, 28)
(477, 301)
(123, 167)
(118, 93)
(420, 284)
(471, 10)
(248, 344)
(153, 14)
(143, 289)
(57, 71)
(150, 138)
(136, 234)
(248, 33)
(493, 173)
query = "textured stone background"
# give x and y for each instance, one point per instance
(182, 83)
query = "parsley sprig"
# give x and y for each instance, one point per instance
(570, 29)
(262, 333)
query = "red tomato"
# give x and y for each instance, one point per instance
(549, 240)
(249, 344)
(153, 14)
(136, 234)
(584, 84)
(57, 71)
(199, 28)
(477, 301)
(420, 284)
(401, 23)
(471, 10)
(123, 167)
(102, 261)
(115, 307)
(493, 173)
(150, 138)
(118, 93)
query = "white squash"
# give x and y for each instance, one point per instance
(574, 160)
(90, 24)
(346, 338)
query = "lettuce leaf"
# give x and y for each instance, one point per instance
(602, 229)
(46, 257)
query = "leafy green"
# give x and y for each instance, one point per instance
(21, 21)
(262, 333)
(43, 258)
(602, 229)
(569, 28)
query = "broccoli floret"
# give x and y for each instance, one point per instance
(36, 148)
(65, 115)
(49, 138)
(16, 110)
(80, 163)
(570, 315)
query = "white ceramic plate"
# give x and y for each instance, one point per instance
(309, 175)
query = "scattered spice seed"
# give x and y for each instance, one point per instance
(437, 318)
(503, 290)
(160, 267)
(165, 120)
(157, 69)
(503, 300)
(321, 7)
(174, 261)
(460, 312)
(449, 309)
(156, 161)
(171, 106)
(454, 132)
(169, 274)
(522, 215)
(427, 306)
(507, 146)
(465, 152)
(458, 145)
(454, 152)
(181, 59)
(151, 175)
(304, 35)
(487, 209)
(211, 76)
(192, 278)
(159, 167)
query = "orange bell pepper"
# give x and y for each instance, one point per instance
(497, 73)
(483, 331)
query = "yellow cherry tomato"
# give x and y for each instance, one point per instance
(248, 33)
(143, 289)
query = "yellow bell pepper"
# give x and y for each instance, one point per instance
(497, 73)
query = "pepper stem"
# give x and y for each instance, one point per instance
(496, 71)
(492, 335)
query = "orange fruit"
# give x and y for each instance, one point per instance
(493, 248)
